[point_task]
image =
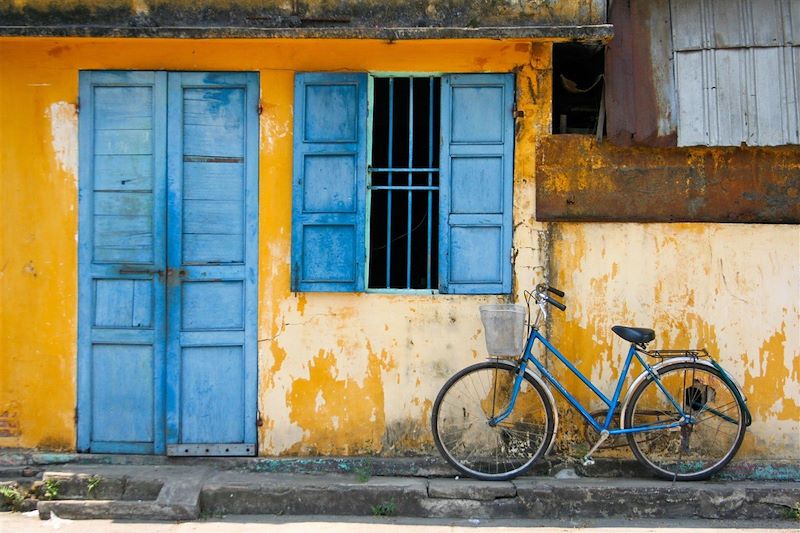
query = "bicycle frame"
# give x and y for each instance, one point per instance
(612, 403)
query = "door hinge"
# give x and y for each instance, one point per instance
(260, 109)
(76, 415)
(517, 113)
(259, 420)
(78, 107)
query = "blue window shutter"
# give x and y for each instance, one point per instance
(329, 183)
(477, 163)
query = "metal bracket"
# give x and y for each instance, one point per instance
(195, 450)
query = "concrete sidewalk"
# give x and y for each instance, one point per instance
(176, 490)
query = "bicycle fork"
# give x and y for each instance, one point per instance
(517, 384)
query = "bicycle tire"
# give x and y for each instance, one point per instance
(463, 435)
(695, 451)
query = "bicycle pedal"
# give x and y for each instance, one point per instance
(588, 461)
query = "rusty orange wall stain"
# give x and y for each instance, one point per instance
(579, 179)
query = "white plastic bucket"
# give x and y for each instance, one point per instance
(504, 328)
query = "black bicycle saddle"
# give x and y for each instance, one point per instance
(634, 335)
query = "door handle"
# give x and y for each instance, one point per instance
(150, 271)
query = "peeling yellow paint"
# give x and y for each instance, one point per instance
(766, 385)
(337, 415)
(698, 286)
(63, 117)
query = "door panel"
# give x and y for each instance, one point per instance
(212, 191)
(127, 384)
(212, 411)
(168, 260)
(122, 260)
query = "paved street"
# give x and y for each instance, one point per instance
(18, 523)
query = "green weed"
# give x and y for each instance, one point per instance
(363, 473)
(51, 488)
(793, 512)
(92, 484)
(384, 509)
(12, 496)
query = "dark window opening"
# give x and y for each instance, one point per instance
(404, 184)
(578, 88)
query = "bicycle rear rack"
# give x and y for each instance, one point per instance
(702, 353)
(696, 353)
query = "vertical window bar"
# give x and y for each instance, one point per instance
(389, 190)
(430, 176)
(410, 179)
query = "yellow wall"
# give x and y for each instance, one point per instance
(339, 373)
(357, 373)
(731, 288)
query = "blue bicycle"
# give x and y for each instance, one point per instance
(684, 417)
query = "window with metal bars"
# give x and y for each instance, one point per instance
(404, 183)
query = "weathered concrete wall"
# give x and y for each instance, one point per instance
(294, 13)
(731, 288)
(357, 373)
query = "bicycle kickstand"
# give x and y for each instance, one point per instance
(587, 459)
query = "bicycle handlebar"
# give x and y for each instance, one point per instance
(555, 303)
(555, 291)
(541, 291)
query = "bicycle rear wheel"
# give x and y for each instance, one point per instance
(461, 414)
(696, 450)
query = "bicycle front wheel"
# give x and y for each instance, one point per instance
(696, 450)
(466, 404)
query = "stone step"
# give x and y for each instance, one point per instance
(245, 493)
(127, 493)
(184, 493)
(96, 486)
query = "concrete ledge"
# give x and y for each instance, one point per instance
(422, 466)
(232, 493)
(471, 490)
(246, 493)
(189, 490)
(653, 499)
(115, 509)
(599, 32)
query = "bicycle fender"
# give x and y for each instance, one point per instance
(748, 419)
(677, 360)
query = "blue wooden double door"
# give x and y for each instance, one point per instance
(168, 263)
